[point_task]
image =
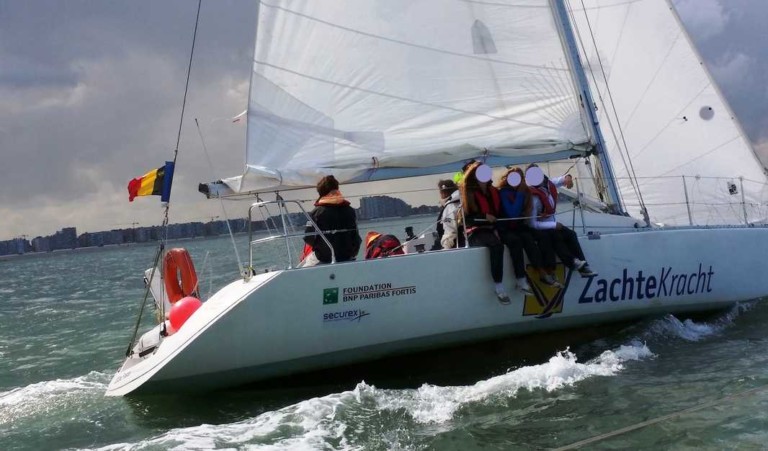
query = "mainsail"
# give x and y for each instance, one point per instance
(674, 120)
(381, 89)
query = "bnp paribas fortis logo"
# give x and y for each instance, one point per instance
(546, 300)
(330, 296)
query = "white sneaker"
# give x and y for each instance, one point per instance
(578, 264)
(501, 295)
(522, 285)
(503, 298)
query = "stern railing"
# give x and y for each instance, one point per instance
(274, 233)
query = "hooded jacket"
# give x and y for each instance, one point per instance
(448, 220)
(332, 212)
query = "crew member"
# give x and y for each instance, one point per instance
(449, 233)
(481, 204)
(514, 231)
(336, 219)
(553, 237)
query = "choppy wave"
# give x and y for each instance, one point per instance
(320, 423)
(689, 330)
(41, 396)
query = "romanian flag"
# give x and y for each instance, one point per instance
(156, 182)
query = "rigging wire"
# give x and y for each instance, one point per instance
(161, 247)
(223, 210)
(629, 165)
(181, 121)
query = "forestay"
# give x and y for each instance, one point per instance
(674, 119)
(381, 89)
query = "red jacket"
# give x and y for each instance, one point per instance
(541, 194)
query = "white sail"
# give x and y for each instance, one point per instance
(673, 117)
(381, 89)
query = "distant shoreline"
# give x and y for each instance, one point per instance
(154, 243)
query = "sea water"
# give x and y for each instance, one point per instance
(66, 318)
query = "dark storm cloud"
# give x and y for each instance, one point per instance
(90, 96)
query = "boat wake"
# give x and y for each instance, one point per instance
(671, 327)
(354, 418)
(41, 397)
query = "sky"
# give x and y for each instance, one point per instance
(91, 91)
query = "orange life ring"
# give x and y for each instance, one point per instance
(178, 263)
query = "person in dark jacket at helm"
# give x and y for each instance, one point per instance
(336, 219)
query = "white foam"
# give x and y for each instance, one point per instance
(309, 422)
(318, 422)
(32, 399)
(433, 404)
(694, 331)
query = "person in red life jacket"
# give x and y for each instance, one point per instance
(336, 219)
(514, 231)
(482, 205)
(552, 236)
(381, 246)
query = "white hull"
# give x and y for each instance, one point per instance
(292, 321)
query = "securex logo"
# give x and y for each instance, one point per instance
(667, 282)
(345, 315)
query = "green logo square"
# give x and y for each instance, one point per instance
(330, 296)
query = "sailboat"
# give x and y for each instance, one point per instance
(669, 207)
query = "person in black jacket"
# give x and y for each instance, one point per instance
(336, 219)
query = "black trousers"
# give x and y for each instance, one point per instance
(487, 238)
(563, 242)
(517, 241)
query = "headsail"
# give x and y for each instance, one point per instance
(673, 117)
(381, 89)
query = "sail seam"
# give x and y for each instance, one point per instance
(702, 155)
(652, 81)
(396, 97)
(409, 44)
(677, 117)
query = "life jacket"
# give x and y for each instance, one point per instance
(541, 194)
(484, 206)
(380, 246)
(333, 198)
(336, 219)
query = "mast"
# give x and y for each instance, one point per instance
(582, 84)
